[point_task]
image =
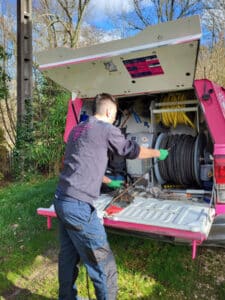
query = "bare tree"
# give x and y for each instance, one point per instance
(90, 35)
(213, 19)
(8, 101)
(60, 21)
(149, 12)
(211, 63)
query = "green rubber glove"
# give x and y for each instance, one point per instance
(115, 184)
(163, 154)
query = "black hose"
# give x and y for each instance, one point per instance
(179, 167)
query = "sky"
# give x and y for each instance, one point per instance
(99, 10)
(105, 7)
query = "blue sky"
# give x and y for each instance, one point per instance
(99, 11)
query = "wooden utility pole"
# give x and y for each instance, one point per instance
(24, 56)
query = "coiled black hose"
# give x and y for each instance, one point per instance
(182, 166)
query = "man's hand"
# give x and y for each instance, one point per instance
(163, 154)
(115, 184)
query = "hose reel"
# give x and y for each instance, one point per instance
(182, 166)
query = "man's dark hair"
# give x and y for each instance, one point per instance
(100, 100)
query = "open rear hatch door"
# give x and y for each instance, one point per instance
(160, 58)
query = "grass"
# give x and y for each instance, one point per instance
(147, 269)
(22, 235)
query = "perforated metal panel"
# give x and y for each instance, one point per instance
(169, 214)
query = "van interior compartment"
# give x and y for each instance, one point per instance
(175, 197)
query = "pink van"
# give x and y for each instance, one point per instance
(152, 75)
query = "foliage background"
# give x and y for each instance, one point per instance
(76, 23)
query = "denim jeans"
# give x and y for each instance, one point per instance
(83, 237)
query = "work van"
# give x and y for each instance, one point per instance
(160, 105)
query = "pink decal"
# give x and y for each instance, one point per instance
(143, 66)
(73, 106)
(79, 130)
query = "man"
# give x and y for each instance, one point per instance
(82, 236)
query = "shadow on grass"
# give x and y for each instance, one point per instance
(26, 286)
(17, 293)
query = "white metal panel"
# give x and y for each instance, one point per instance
(101, 203)
(167, 50)
(168, 214)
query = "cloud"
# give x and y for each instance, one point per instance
(99, 10)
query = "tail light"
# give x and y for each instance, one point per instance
(219, 169)
(219, 173)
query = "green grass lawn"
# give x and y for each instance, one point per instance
(147, 269)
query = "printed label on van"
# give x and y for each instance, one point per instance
(143, 66)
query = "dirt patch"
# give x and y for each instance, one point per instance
(36, 283)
